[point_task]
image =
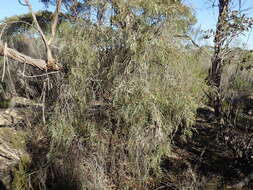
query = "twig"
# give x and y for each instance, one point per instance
(200, 157)
(6, 157)
(36, 76)
(5, 48)
(161, 187)
(43, 102)
(188, 38)
(21, 3)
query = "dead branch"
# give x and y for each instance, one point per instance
(37, 76)
(17, 56)
(188, 38)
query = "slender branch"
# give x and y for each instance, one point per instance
(55, 21)
(37, 76)
(37, 23)
(51, 63)
(188, 38)
(3, 74)
(21, 3)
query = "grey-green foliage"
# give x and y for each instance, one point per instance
(237, 76)
(128, 89)
(146, 90)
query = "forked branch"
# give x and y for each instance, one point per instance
(51, 62)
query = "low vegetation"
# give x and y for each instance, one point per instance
(125, 101)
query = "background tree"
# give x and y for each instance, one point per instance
(229, 25)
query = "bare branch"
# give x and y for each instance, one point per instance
(51, 63)
(15, 55)
(188, 38)
(55, 21)
(37, 23)
(37, 76)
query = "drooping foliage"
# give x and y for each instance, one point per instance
(131, 87)
(128, 88)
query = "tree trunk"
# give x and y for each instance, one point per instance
(218, 59)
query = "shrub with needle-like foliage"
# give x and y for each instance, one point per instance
(129, 88)
(128, 94)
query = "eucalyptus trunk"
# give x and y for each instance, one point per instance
(218, 58)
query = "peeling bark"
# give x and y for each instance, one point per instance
(218, 59)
